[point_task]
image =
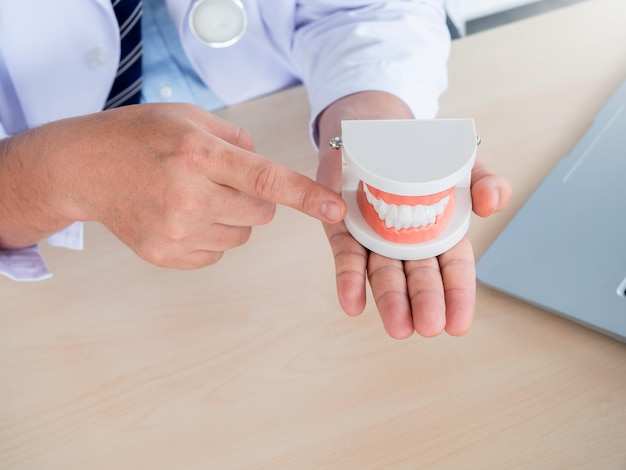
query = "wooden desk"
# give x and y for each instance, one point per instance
(251, 364)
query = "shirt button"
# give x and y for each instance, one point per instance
(98, 57)
(166, 92)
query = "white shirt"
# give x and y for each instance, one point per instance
(334, 47)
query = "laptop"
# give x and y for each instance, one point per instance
(565, 250)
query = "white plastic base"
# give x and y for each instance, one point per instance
(366, 236)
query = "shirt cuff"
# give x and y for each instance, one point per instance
(70, 237)
(26, 264)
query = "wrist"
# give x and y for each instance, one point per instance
(31, 206)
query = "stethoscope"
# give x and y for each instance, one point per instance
(218, 23)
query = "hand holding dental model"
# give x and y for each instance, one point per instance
(425, 295)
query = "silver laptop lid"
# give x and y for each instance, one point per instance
(565, 250)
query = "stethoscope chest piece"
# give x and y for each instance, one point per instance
(218, 23)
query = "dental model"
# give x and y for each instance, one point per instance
(407, 184)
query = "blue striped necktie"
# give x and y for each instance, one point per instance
(127, 85)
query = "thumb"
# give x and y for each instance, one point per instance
(490, 192)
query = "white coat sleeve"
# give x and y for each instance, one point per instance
(396, 46)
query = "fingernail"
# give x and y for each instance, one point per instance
(498, 198)
(331, 211)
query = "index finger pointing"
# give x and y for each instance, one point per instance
(264, 179)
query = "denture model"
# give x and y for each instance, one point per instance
(407, 184)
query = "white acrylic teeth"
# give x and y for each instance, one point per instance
(405, 216)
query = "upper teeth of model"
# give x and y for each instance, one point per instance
(405, 216)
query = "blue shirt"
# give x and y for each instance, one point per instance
(168, 76)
